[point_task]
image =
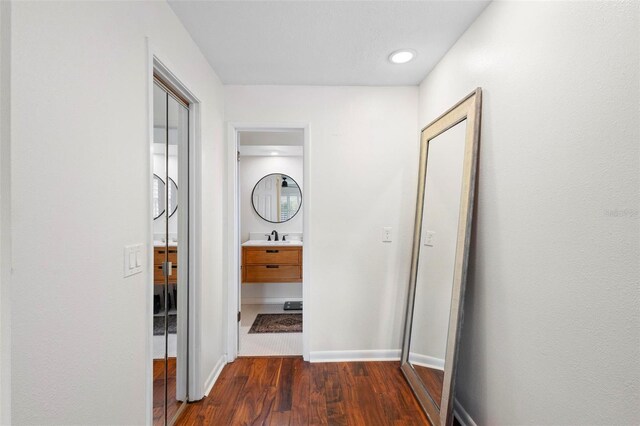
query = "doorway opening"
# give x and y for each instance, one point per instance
(269, 211)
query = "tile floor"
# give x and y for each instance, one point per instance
(262, 344)
(158, 346)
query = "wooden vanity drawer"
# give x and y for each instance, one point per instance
(273, 273)
(272, 264)
(158, 277)
(272, 256)
(159, 254)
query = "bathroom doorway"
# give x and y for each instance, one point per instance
(268, 241)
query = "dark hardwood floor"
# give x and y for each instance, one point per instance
(158, 391)
(432, 380)
(289, 391)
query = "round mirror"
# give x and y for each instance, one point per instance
(276, 198)
(159, 195)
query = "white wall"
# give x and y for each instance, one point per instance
(251, 170)
(80, 180)
(368, 138)
(551, 333)
(5, 212)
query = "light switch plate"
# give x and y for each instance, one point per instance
(132, 256)
(386, 234)
(429, 238)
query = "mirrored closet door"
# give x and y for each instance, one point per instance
(170, 244)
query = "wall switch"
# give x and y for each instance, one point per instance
(132, 260)
(386, 234)
(429, 238)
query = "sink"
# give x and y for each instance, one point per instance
(159, 243)
(271, 243)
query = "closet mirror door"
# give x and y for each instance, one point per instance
(160, 284)
(177, 256)
(170, 227)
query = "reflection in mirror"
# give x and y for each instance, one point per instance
(276, 198)
(436, 258)
(170, 275)
(173, 197)
(157, 192)
(446, 182)
(158, 196)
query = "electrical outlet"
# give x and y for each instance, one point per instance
(429, 238)
(386, 234)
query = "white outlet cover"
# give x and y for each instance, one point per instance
(386, 234)
(429, 238)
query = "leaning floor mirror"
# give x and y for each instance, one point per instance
(448, 161)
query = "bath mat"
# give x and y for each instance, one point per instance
(158, 325)
(277, 323)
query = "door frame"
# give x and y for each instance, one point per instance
(192, 224)
(233, 230)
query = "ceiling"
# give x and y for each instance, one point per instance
(324, 42)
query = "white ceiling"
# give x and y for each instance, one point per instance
(324, 42)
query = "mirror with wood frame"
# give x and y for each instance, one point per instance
(448, 161)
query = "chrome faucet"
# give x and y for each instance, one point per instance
(276, 235)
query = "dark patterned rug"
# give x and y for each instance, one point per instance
(277, 323)
(158, 325)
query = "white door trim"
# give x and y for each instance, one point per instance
(157, 62)
(5, 212)
(233, 231)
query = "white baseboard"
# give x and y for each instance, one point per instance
(269, 300)
(426, 361)
(215, 373)
(461, 414)
(346, 356)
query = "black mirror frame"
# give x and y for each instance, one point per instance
(288, 177)
(175, 208)
(163, 182)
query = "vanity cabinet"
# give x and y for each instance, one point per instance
(159, 258)
(271, 264)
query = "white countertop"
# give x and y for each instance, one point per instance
(272, 243)
(162, 244)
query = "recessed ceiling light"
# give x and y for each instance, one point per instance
(402, 56)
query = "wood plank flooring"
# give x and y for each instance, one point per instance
(284, 391)
(158, 390)
(433, 380)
